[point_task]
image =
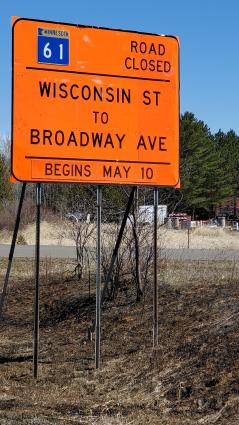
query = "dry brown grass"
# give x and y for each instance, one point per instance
(213, 232)
(62, 232)
(191, 379)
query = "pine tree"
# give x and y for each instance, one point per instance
(203, 176)
(228, 148)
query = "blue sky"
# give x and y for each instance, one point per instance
(209, 38)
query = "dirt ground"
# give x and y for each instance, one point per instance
(192, 378)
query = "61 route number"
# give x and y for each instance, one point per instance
(47, 52)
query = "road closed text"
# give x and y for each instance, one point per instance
(147, 56)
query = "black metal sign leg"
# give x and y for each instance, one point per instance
(118, 242)
(37, 281)
(114, 256)
(12, 249)
(155, 290)
(98, 279)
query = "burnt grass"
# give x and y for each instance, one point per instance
(191, 378)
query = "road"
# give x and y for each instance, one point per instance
(170, 253)
(45, 251)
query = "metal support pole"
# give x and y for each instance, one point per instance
(91, 329)
(155, 291)
(37, 281)
(137, 200)
(189, 224)
(98, 279)
(12, 249)
(118, 242)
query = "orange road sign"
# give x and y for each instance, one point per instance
(94, 105)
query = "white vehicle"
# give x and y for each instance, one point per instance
(146, 214)
(78, 216)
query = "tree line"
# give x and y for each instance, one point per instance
(208, 173)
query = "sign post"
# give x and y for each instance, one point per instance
(94, 105)
(12, 249)
(98, 279)
(155, 290)
(37, 283)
